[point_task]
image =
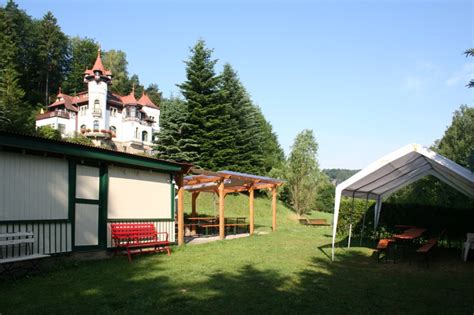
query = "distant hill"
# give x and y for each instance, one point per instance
(338, 175)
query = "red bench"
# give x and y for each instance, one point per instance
(139, 235)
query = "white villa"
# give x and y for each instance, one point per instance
(105, 117)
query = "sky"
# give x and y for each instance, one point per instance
(368, 77)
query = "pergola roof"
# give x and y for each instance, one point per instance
(206, 181)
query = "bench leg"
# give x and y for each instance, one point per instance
(129, 255)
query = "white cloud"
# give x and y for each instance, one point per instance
(461, 77)
(413, 84)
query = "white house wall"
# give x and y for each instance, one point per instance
(137, 194)
(33, 187)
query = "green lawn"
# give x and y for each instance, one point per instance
(286, 271)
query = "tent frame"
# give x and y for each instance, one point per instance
(395, 171)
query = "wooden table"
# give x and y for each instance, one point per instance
(405, 239)
(410, 234)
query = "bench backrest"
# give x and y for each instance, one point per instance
(133, 230)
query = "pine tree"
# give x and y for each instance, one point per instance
(16, 116)
(154, 94)
(205, 123)
(170, 142)
(83, 55)
(24, 35)
(247, 154)
(53, 54)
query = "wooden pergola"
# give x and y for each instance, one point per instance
(223, 183)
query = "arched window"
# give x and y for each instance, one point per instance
(83, 127)
(144, 136)
(96, 104)
(113, 129)
(136, 133)
(96, 125)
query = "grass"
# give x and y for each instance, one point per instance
(283, 272)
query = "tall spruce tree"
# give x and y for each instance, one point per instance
(170, 141)
(247, 153)
(53, 55)
(116, 61)
(204, 128)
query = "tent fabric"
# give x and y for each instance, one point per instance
(397, 170)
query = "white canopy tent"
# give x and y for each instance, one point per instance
(397, 170)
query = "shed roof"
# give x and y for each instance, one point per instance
(40, 145)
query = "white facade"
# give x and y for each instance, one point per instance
(109, 119)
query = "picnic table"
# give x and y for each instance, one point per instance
(410, 234)
(406, 238)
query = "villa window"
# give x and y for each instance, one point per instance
(132, 111)
(96, 104)
(96, 125)
(113, 129)
(145, 136)
(113, 111)
(136, 133)
(83, 110)
(83, 127)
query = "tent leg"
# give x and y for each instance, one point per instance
(350, 223)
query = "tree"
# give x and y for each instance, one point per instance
(302, 172)
(470, 53)
(116, 61)
(170, 142)
(17, 116)
(53, 54)
(48, 132)
(83, 55)
(205, 120)
(154, 93)
(457, 142)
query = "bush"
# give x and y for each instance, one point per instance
(48, 132)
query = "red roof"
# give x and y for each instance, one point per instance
(130, 98)
(69, 102)
(146, 101)
(98, 66)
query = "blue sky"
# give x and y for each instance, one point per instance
(367, 76)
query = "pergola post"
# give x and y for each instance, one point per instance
(193, 203)
(274, 207)
(179, 182)
(221, 210)
(251, 213)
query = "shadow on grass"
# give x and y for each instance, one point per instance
(353, 284)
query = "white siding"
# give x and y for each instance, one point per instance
(87, 182)
(136, 194)
(50, 237)
(33, 187)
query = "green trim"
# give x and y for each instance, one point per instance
(72, 188)
(103, 207)
(139, 220)
(87, 201)
(35, 221)
(172, 197)
(81, 151)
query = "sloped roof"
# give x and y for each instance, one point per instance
(146, 101)
(98, 66)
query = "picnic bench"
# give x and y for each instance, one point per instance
(16, 240)
(314, 222)
(132, 236)
(383, 246)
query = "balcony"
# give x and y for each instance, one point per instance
(56, 113)
(97, 112)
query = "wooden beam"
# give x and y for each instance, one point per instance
(179, 182)
(221, 211)
(274, 207)
(194, 196)
(251, 213)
